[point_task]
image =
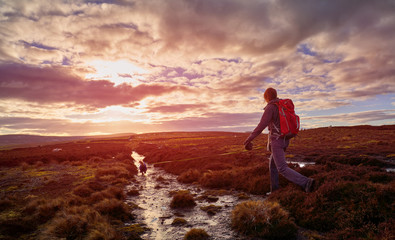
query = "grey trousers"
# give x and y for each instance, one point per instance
(278, 165)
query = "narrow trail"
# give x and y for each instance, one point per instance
(156, 214)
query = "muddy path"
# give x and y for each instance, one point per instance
(155, 213)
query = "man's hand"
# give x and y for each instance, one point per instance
(248, 145)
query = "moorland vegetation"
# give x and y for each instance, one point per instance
(78, 192)
(73, 193)
(354, 193)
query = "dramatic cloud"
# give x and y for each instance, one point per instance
(53, 85)
(193, 64)
(177, 108)
(356, 117)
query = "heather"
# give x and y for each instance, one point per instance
(87, 189)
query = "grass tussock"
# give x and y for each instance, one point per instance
(196, 234)
(179, 222)
(76, 193)
(182, 199)
(190, 176)
(115, 209)
(248, 179)
(349, 201)
(134, 231)
(263, 219)
(77, 222)
(211, 209)
(83, 191)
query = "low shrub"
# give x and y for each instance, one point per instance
(252, 179)
(179, 222)
(243, 196)
(211, 209)
(217, 179)
(182, 199)
(42, 210)
(134, 231)
(190, 176)
(116, 192)
(381, 177)
(76, 222)
(83, 191)
(196, 234)
(96, 185)
(114, 208)
(346, 201)
(99, 196)
(116, 171)
(263, 219)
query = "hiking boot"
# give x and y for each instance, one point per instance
(310, 185)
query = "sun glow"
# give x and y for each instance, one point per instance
(118, 72)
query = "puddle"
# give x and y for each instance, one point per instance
(301, 164)
(156, 214)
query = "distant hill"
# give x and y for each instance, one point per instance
(29, 139)
(15, 140)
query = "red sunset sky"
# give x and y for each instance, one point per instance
(89, 67)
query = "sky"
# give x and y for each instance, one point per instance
(87, 67)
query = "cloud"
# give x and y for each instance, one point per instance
(202, 58)
(357, 117)
(66, 127)
(208, 122)
(55, 85)
(215, 121)
(176, 108)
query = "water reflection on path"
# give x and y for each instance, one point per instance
(155, 213)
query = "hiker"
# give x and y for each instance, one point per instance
(277, 145)
(143, 167)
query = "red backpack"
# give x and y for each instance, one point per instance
(289, 121)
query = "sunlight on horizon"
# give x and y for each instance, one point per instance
(118, 72)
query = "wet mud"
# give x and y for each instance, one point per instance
(154, 210)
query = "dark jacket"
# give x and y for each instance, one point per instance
(270, 118)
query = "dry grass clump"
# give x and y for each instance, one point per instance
(96, 185)
(116, 192)
(76, 193)
(179, 222)
(208, 198)
(190, 176)
(116, 172)
(217, 179)
(347, 201)
(78, 223)
(243, 196)
(263, 219)
(196, 234)
(134, 231)
(182, 199)
(83, 191)
(42, 210)
(211, 209)
(115, 209)
(112, 192)
(254, 179)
